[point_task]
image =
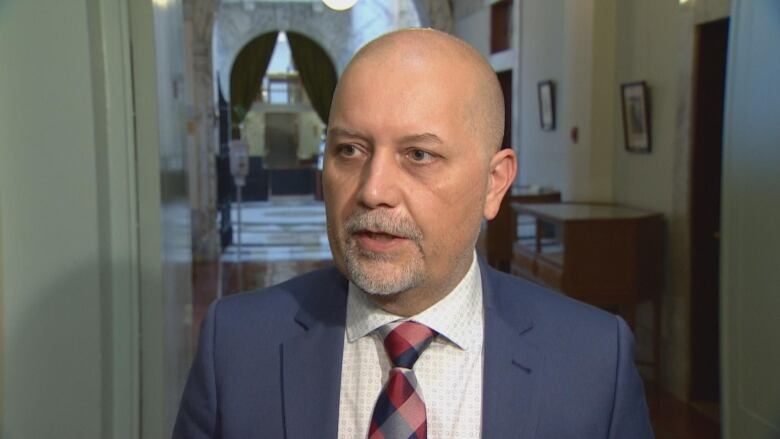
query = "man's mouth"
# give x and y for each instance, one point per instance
(378, 242)
(380, 232)
(382, 236)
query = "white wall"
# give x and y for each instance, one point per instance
(646, 54)
(93, 199)
(557, 43)
(63, 346)
(542, 154)
(660, 180)
(590, 47)
(472, 24)
(2, 314)
(750, 247)
(163, 211)
(571, 43)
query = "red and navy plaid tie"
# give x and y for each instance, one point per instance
(400, 411)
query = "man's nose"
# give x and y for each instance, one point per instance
(380, 182)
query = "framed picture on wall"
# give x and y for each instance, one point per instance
(547, 105)
(636, 116)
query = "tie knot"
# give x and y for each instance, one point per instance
(406, 341)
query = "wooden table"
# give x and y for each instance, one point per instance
(604, 254)
(501, 231)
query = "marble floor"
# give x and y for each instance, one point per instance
(286, 229)
(274, 241)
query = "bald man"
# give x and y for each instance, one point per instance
(411, 335)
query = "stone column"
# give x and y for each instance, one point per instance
(198, 27)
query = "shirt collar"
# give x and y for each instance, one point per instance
(457, 317)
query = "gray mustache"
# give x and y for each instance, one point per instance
(384, 222)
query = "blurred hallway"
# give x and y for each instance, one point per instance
(279, 240)
(645, 132)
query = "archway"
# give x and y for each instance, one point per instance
(281, 86)
(312, 62)
(322, 35)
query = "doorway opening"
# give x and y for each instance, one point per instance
(706, 158)
(281, 85)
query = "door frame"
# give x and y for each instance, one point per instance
(110, 37)
(749, 352)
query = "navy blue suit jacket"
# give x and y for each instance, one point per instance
(269, 365)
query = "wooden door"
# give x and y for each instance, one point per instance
(710, 79)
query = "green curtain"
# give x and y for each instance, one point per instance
(247, 75)
(317, 72)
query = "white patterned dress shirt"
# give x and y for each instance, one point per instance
(449, 371)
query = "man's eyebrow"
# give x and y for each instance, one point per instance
(421, 138)
(410, 138)
(337, 131)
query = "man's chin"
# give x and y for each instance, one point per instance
(384, 278)
(383, 294)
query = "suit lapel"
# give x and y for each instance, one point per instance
(511, 366)
(311, 368)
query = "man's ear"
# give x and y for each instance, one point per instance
(502, 172)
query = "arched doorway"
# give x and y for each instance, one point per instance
(336, 36)
(281, 86)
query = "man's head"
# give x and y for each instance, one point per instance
(412, 165)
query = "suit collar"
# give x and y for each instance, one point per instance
(512, 361)
(311, 362)
(512, 308)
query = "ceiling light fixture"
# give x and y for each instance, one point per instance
(339, 5)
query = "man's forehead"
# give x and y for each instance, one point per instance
(408, 89)
(386, 118)
(423, 74)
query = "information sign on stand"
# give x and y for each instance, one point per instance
(239, 167)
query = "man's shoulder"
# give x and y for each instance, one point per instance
(548, 309)
(564, 330)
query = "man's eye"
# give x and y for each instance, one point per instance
(348, 150)
(420, 156)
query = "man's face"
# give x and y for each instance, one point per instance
(405, 178)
